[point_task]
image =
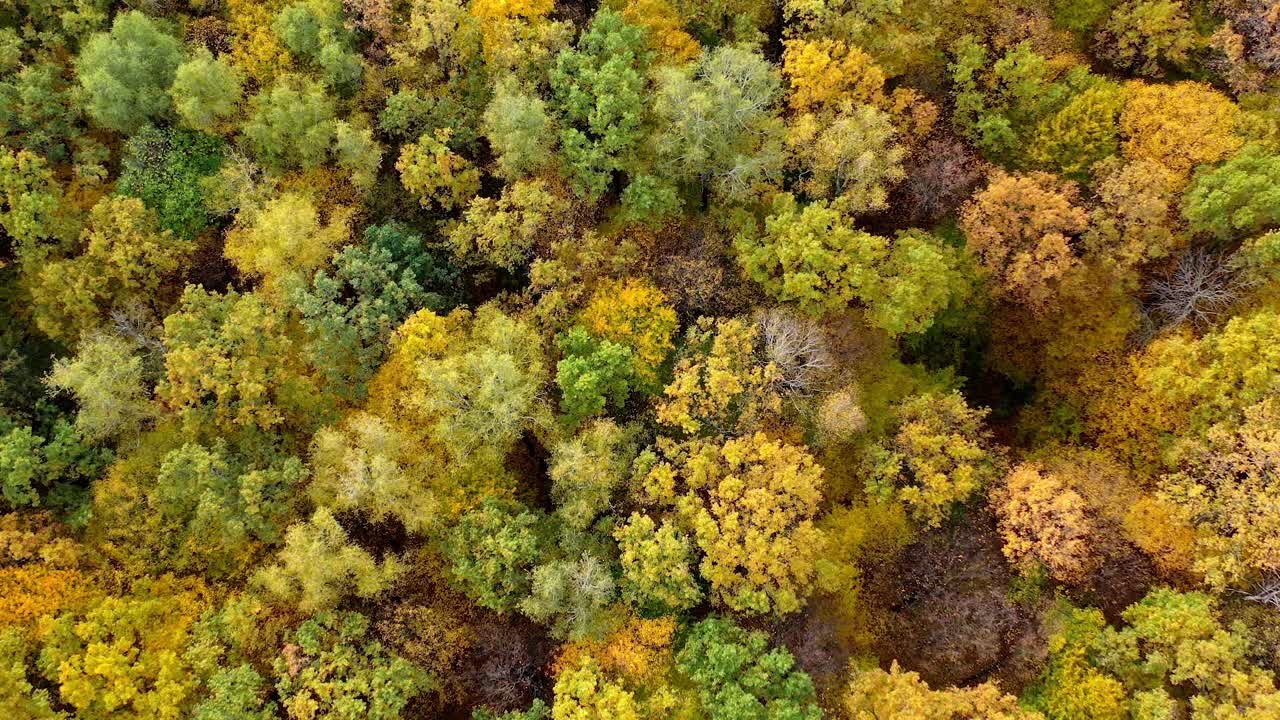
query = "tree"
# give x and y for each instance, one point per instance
(592, 375)
(481, 394)
(737, 674)
(331, 668)
(319, 566)
(761, 566)
(597, 89)
(582, 692)
(106, 378)
(231, 362)
(125, 262)
(1144, 35)
(127, 72)
(1021, 226)
(939, 455)
(720, 128)
(32, 210)
(349, 316)
(217, 515)
(1241, 197)
(637, 314)
(1044, 521)
(588, 469)
(504, 231)
(719, 384)
(1226, 485)
(31, 463)
(123, 657)
(571, 595)
(875, 694)
(164, 168)
(1000, 104)
(206, 91)
(1179, 126)
(360, 467)
(1173, 658)
(811, 256)
(291, 124)
(435, 174)
(520, 131)
(823, 73)
(919, 279)
(235, 694)
(853, 158)
(658, 566)
(1134, 221)
(493, 550)
(284, 241)
(1084, 132)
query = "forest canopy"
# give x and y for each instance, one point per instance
(640, 359)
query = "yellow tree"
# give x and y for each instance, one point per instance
(749, 504)
(284, 241)
(637, 314)
(897, 695)
(1044, 521)
(1021, 227)
(1179, 126)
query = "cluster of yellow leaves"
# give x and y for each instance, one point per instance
(284, 240)
(1043, 520)
(749, 503)
(897, 695)
(1135, 220)
(126, 260)
(823, 72)
(1021, 226)
(28, 592)
(639, 649)
(255, 47)
(1229, 487)
(635, 313)
(583, 692)
(1179, 126)
(123, 657)
(437, 175)
(721, 385)
(939, 456)
(666, 30)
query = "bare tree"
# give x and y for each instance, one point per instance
(797, 347)
(1199, 290)
(1266, 590)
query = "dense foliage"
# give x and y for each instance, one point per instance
(640, 359)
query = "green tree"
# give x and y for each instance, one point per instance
(504, 231)
(739, 677)
(350, 315)
(291, 124)
(126, 73)
(331, 667)
(598, 91)
(206, 91)
(593, 374)
(435, 174)
(719, 123)
(163, 168)
(657, 566)
(1240, 197)
(520, 132)
(235, 694)
(588, 469)
(571, 595)
(493, 550)
(217, 515)
(811, 256)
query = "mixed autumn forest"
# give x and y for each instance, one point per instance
(639, 359)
